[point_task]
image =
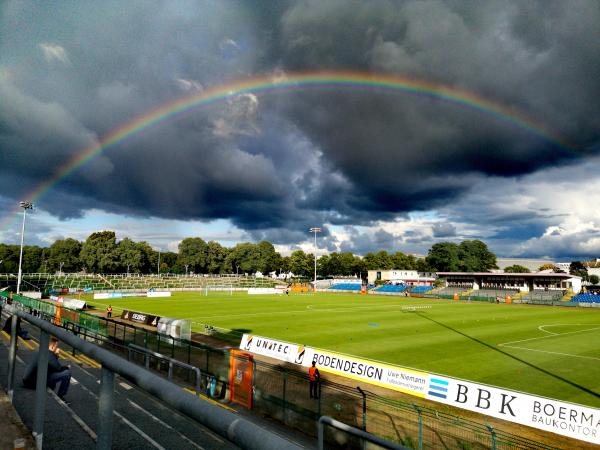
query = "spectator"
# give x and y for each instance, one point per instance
(56, 372)
(313, 378)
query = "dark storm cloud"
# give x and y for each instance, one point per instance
(277, 164)
(361, 243)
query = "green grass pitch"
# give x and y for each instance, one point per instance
(549, 351)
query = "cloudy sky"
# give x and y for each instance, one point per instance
(376, 168)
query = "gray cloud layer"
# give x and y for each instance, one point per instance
(276, 164)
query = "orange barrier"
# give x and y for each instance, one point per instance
(241, 374)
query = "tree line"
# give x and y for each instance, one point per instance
(102, 253)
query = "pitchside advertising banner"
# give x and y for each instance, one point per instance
(567, 419)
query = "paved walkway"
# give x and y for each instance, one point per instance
(11, 426)
(141, 422)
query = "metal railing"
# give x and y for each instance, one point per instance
(368, 437)
(225, 423)
(281, 392)
(171, 361)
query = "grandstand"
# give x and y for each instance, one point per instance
(75, 282)
(345, 287)
(517, 282)
(586, 298)
(421, 289)
(391, 288)
(343, 284)
(541, 296)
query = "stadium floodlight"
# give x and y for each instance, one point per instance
(158, 271)
(25, 206)
(315, 230)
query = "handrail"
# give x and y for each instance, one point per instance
(225, 423)
(171, 361)
(326, 420)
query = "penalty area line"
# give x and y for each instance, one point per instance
(553, 353)
(506, 344)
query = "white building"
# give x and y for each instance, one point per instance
(412, 277)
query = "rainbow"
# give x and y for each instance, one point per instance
(295, 81)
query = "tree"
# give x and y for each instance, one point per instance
(267, 258)
(577, 268)
(9, 254)
(594, 279)
(216, 255)
(443, 257)
(404, 262)
(243, 258)
(130, 256)
(32, 258)
(474, 256)
(422, 266)
(379, 261)
(149, 257)
(548, 266)
(64, 251)
(99, 252)
(285, 264)
(169, 263)
(516, 268)
(193, 253)
(301, 264)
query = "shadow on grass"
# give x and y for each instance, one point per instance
(533, 366)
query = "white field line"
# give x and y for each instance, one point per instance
(308, 310)
(541, 328)
(553, 353)
(504, 344)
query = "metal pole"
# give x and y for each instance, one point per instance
(284, 389)
(105, 409)
(420, 425)
(21, 252)
(491, 429)
(315, 259)
(198, 380)
(315, 230)
(320, 430)
(12, 356)
(40, 390)
(364, 408)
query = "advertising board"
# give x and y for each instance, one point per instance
(256, 291)
(567, 419)
(133, 316)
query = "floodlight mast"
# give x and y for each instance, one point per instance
(25, 206)
(315, 230)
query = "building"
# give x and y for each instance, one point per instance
(397, 276)
(523, 282)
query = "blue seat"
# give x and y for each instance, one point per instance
(346, 287)
(586, 298)
(421, 289)
(392, 288)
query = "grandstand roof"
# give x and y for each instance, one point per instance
(511, 275)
